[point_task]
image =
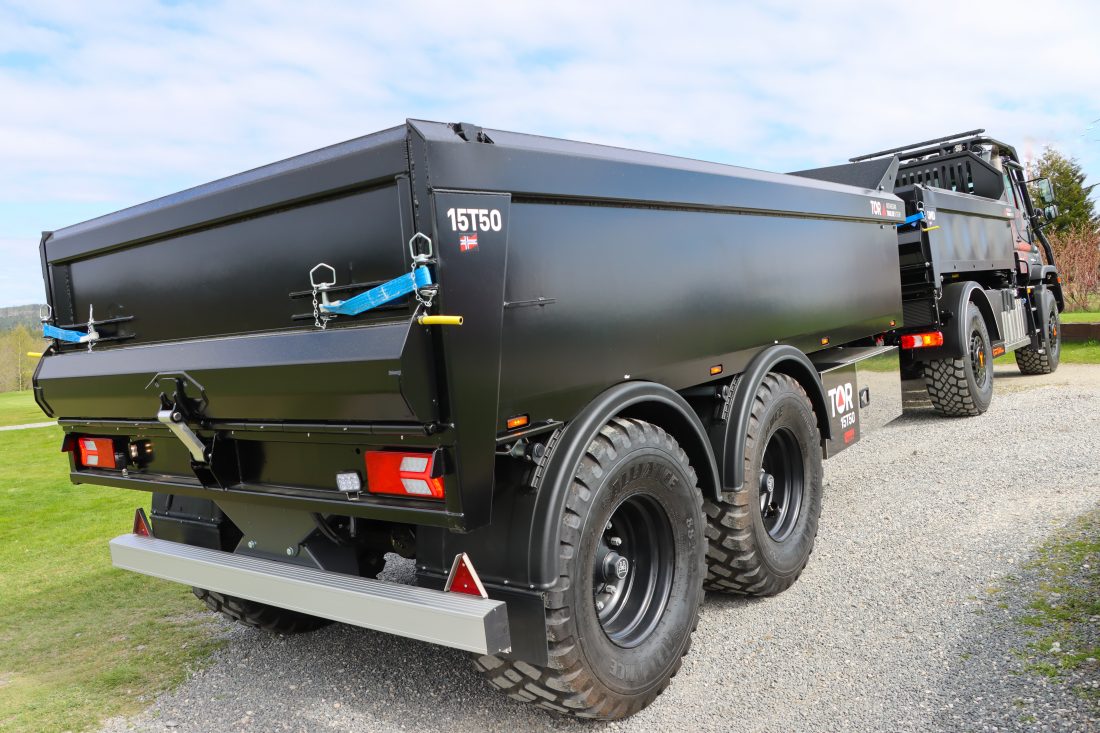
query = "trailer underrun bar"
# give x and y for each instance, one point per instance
(456, 620)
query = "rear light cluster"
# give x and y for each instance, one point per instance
(922, 340)
(112, 453)
(417, 475)
(98, 453)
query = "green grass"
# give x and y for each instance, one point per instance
(1081, 317)
(79, 641)
(1067, 600)
(1087, 352)
(1072, 353)
(18, 408)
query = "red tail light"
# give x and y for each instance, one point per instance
(97, 452)
(404, 474)
(922, 340)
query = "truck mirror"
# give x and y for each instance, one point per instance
(1050, 212)
(1046, 191)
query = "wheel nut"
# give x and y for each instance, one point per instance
(599, 605)
(614, 541)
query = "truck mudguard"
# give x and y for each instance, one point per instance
(643, 400)
(728, 436)
(953, 304)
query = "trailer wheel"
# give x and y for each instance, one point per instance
(964, 387)
(759, 543)
(1031, 361)
(259, 615)
(620, 617)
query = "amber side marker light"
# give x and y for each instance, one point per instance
(716, 370)
(518, 421)
(997, 351)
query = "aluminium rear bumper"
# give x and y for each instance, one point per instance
(449, 619)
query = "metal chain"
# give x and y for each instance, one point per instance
(319, 320)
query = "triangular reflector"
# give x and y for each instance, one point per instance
(141, 524)
(463, 578)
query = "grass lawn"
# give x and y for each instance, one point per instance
(79, 641)
(1081, 317)
(18, 408)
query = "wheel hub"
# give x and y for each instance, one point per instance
(781, 484)
(632, 570)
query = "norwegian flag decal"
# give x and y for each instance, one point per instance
(467, 243)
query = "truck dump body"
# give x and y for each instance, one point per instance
(607, 265)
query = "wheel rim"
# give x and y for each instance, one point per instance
(978, 364)
(782, 482)
(632, 570)
(1052, 333)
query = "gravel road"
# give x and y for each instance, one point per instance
(919, 519)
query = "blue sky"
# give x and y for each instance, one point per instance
(106, 105)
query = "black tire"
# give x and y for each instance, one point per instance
(964, 387)
(757, 546)
(1031, 361)
(612, 661)
(259, 615)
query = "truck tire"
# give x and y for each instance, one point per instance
(759, 543)
(1031, 361)
(964, 387)
(259, 615)
(631, 559)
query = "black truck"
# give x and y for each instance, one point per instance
(578, 385)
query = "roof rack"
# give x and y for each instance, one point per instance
(892, 151)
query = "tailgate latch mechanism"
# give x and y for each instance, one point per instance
(175, 421)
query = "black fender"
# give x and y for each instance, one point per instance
(643, 400)
(953, 301)
(728, 436)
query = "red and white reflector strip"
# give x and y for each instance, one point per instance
(922, 340)
(463, 578)
(97, 452)
(403, 474)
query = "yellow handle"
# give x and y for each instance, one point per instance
(439, 320)
(34, 354)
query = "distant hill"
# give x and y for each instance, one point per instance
(15, 315)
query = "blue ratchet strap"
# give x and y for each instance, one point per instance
(913, 219)
(61, 334)
(384, 293)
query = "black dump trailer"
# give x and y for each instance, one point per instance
(576, 384)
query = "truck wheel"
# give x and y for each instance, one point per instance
(620, 617)
(1031, 361)
(964, 387)
(759, 542)
(259, 615)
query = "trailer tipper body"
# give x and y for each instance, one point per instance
(577, 384)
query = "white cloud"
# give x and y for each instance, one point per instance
(120, 102)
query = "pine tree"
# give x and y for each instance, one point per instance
(1075, 209)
